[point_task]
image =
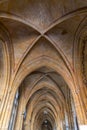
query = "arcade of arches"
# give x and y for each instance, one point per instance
(43, 64)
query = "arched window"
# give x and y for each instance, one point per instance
(14, 112)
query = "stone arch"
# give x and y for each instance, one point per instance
(40, 62)
(80, 47)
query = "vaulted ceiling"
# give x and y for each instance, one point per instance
(43, 50)
(56, 21)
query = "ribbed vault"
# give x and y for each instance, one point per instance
(43, 64)
(43, 100)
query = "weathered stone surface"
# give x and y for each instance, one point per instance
(43, 59)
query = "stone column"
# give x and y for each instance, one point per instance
(79, 108)
(6, 113)
(27, 125)
(74, 115)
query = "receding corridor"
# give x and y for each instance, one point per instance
(43, 65)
